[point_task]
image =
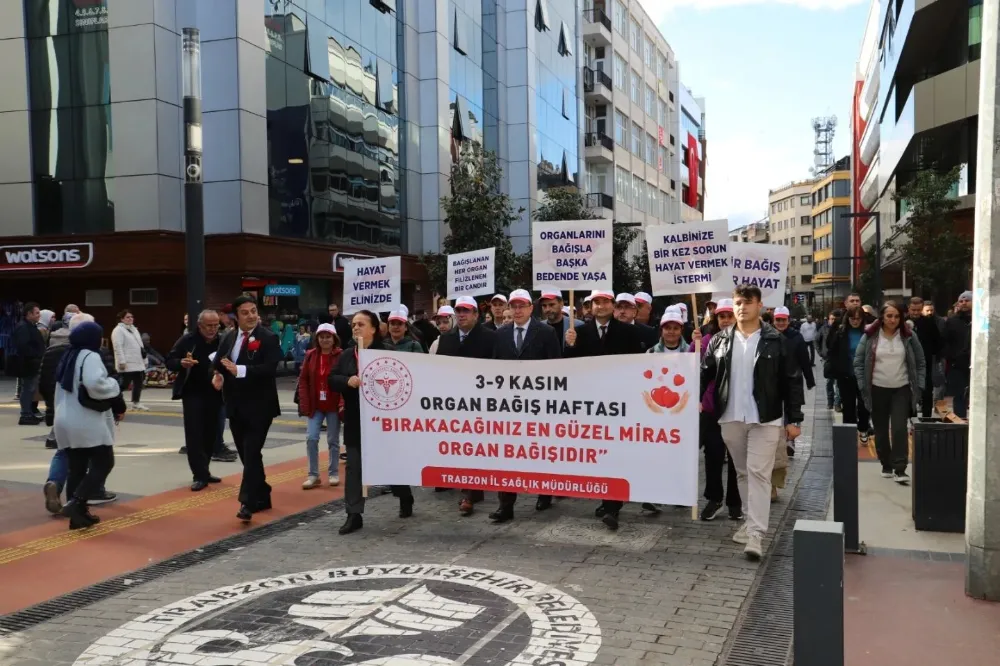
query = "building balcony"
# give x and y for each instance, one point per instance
(934, 108)
(869, 186)
(870, 140)
(869, 91)
(914, 41)
(601, 204)
(596, 27)
(599, 148)
(597, 86)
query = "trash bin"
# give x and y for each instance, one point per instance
(939, 474)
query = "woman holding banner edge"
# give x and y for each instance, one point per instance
(345, 379)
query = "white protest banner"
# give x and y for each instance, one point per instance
(572, 255)
(471, 273)
(689, 257)
(372, 284)
(541, 428)
(762, 266)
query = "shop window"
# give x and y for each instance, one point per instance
(143, 296)
(99, 298)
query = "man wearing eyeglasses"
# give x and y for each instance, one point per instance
(191, 359)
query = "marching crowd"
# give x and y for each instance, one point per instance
(880, 368)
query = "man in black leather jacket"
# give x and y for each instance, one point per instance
(757, 384)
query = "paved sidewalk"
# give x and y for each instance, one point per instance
(548, 588)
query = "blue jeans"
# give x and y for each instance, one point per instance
(832, 393)
(59, 469)
(26, 396)
(332, 441)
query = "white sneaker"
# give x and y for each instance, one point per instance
(334, 480)
(310, 483)
(754, 550)
(140, 407)
(741, 535)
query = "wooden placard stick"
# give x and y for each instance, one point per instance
(697, 355)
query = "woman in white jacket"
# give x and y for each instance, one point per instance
(130, 356)
(87, 434)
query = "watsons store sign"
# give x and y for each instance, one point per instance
(45, 257)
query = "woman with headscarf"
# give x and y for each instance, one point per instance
(88, 405)
(445, 321)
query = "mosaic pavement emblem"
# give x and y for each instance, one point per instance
(380, 615)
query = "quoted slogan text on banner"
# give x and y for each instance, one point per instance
(471, 273)
(372, 284)
(689, 258)
(544, 427)
(572, 255)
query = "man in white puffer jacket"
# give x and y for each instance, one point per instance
(130, 356)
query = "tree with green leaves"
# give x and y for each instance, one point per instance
(568, 203)
(478, 215)
(936, 258)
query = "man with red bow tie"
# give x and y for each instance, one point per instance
(245, 369)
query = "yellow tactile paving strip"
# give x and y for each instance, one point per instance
(8, 555)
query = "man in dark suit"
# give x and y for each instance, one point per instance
(626, 310)
(469, 339)
(524, 339)
(601, 336)
(245, 368)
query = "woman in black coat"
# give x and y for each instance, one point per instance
(344, 380)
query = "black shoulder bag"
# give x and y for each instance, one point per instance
(98, 405)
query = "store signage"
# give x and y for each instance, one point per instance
(45, 257)
(340, 257)
(90, 13)
(282, 290)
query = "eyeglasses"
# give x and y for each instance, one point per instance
(210, 325)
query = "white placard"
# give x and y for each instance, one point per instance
(541, 428)
(689, 257)
(372, 284)
(572, 255)
(471, 273)
(760, 265)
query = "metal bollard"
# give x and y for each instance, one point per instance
(845, 485)
(818, 593)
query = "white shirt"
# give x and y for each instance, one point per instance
(741, 406)
(241, 370)
(524, 329)
(890, 362)
(808, 331)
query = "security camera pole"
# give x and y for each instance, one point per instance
(194, 212)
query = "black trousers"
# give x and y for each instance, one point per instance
(249, 435)
(354, 495)
(136, 379)
(508, 499)
(811, 346)
(201, 430)
(927, 397)
(88, 470)
(891, 408)
(852, 404)
(715, 460)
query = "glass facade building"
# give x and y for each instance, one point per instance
(332, 81)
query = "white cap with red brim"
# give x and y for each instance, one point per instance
(644, 298)
(467, 302)
(398, 315)
(671, 317)
(550, 295)
(520, 295)
(445, 311)
(600, 293)
(724, 305)
(781, 312)
(625, 298)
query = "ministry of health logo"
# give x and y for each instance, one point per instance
(379, 615)
(386, 383)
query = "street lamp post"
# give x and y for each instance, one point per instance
(878, 249)
(194, 212)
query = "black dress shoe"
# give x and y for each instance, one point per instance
(79, 515)
(600, 511)
(353, 523)
(405, 508)
(198, 485)
(611, 520)
(214, 479)
(544, 502)
(244, 513)
(262, 505)
(51, 444)
(29, 421)
(503, 514)
(651, 508)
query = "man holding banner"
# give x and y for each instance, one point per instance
(602, 336)
(469, 339)
(524, 339)
(757, 384)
